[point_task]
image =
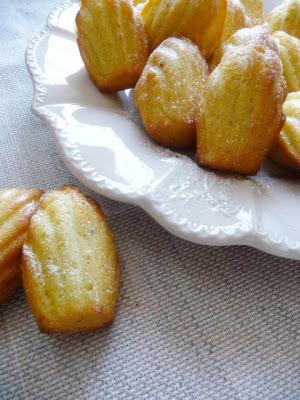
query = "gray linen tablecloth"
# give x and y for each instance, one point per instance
(193, 322)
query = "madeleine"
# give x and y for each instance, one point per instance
(170, 90)
(70, 267)
(112, 42)
(201, 21)
(242, 113)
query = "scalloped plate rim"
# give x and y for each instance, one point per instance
(202, 235)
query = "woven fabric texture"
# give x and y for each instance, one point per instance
(193, 322)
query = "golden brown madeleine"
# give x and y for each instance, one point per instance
(70, 265)
(16, 208)
(254, 10)
(169, 92)
(286, 18)
(242, 113)
(112, 42)
(242, 37)
(202, 21)
(290, 57)
(287, 148)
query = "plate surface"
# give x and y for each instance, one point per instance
(102, 141)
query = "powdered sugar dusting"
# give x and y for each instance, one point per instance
(173, 82)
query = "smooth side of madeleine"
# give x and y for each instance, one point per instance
(170, 91)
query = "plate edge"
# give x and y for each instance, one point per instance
(202, 234)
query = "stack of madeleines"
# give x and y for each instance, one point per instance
(60, 246)
(213, 74)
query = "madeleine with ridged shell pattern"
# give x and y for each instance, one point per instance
(286, 17)
(70, 266)
(242, 113)
(170, 90)
(290, 57)
(201, 21)
(16, 209)
(112, 42)
(287, 148)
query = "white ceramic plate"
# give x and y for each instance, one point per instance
(102, 141)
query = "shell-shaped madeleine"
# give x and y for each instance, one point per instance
(290, 57)
(286, 17)
(112, 42)
(70, 267)
(16, 208)
(287, 148)
(242, 113)
(254, 10)
(201, 21)
(169, 92)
